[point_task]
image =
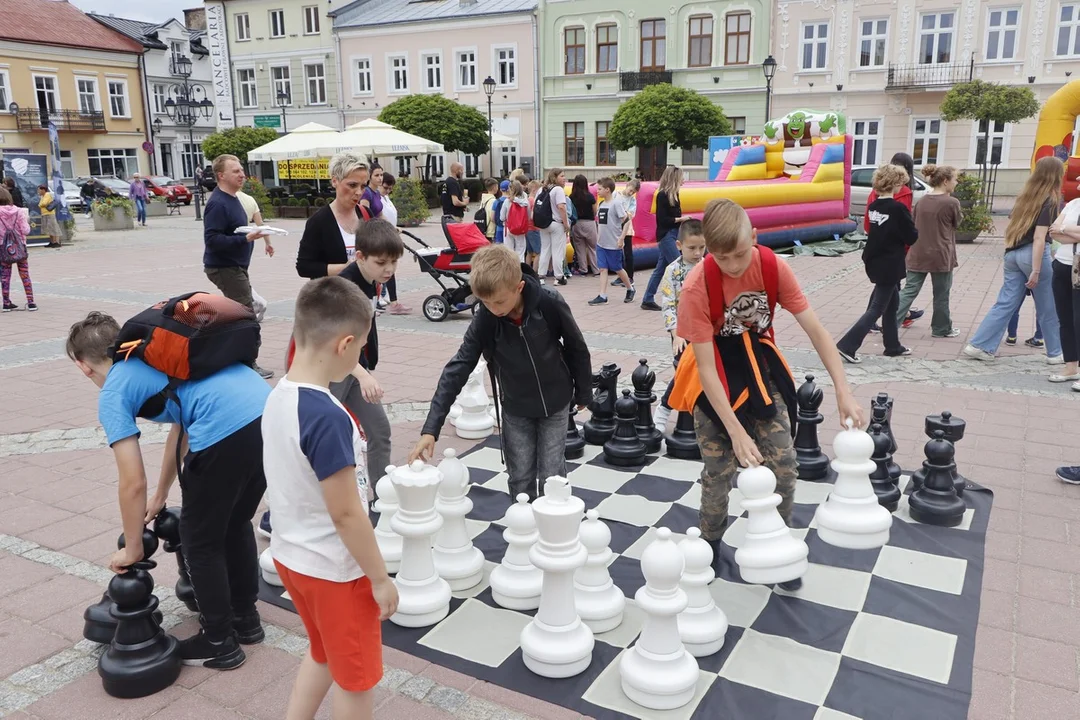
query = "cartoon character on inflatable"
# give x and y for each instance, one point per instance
(797, 131)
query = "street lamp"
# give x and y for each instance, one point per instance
(283, 100)
(769, 68)
(157, 131)
(187, 104)
(13, 108)
(489, 90)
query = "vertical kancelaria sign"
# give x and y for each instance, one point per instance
(218, 43)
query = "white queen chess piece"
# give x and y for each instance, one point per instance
(423, 596)
(657, 672)
(457, 561)
(516, 583)
(475, 421)
(769, 553)
(851, 517)
(387, 505)
(557, 644)
(600, 603)
(702, 625)
(268, 570)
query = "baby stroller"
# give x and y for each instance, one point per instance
(449, 267)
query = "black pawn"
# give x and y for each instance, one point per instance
(813, 463)
(881, 414)
(625, 448)
(644, 379)
(575, 444)
(142, 659)
(682, 444)
(167, 528)
(99, 625)
(888, 494)
(601, 425)
(936, 502)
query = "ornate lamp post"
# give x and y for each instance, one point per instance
(158, 163)
(187, 104)
(489, 90)
(284, 99)
(769, 68)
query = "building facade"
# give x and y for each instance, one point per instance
(393, 48)
(58, 65)
(887, 67)
(595, 54)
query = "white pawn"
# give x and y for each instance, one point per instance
(516, 583)
(600, 603)
(268, 570)
(657, 672)
(702, 625)
(475, 421)
(389, 542)
(457, 561)
(423, 597)
(769, 553)
(851, 516)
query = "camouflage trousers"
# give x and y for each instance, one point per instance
(774, 442)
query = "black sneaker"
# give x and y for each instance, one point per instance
(1010, 341)
(616, 282)
(263, 372)
(199, 650)
(852, 358)
(264, 525)
(630, 295)
(898, 352)
(31, 306)
(598, 300)
(1069, 474)
(650, 305)
(561, 281)
(8, 307)
(914, 314)
(248, 629)
(790, 585)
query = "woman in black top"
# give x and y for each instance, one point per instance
(668, 218)
(583, 233)
(891, 232)
(329, 240)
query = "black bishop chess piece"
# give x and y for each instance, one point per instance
(99, 625)
(167, 528)
(682, 443)
(881, 413)
(888, 494)
(953, 427)
(575, 444)
(625, 447)
(936, 502)
(644, 379)
(813, 463)
(601, 425)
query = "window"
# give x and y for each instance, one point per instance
(997, 142)
(399, 73)
(472, 165)
(607, 48)
(653, 45)
(508, 159)
(872, 37)
(575, 50)
(88, 97)
(738, 125)
(693, 156)
(118, 100)
(45, 91)
(123, 163)
(176, 48)
(575, 143)
(936, 38)
(1068, 39)
(701, 28)
(867, 140)
(315, 80)
(605, 154)
(311, 20)
(1001, 28)
(245, 78)
(466, 63)
(432, 65)
(927, 141)
(243, 27)
(363, 76)
(277, 23)
(67, 164)
(435, 166)
(166, 159)
(159, 98)
(404, 166)
(281, 82)
(191, 157)
(737, 39)
(5, 90)
(505, 66)
(815, 45)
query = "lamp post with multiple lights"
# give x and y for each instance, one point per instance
(187, 104)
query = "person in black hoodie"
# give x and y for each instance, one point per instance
(539, 365)
(892, 230)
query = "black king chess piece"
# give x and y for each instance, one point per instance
(644, 379)
(953, 427)
(881, 412)
(575, 444)
(682, 443)
(600, 427)
(625, 447)
(142, 659)
(813, 463)
(888, 494)
(936, 502)
(167, 528)
(100, 625)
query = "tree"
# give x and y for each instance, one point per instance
(236, 141)
(434, 117)
(990, 103)
(666, 115)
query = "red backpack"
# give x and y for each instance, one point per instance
(517, 219)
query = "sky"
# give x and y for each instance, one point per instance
(150, 11)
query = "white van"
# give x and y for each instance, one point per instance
(860, 189)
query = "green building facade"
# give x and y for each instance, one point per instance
(595, 54)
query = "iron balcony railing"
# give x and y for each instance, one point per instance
(31, 119)
(635, 81)
(934, 75)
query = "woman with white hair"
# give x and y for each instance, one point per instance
(329, 240)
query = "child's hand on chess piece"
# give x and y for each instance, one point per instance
(423, 450)
(746, 451)
(386, 595)
(849, 408)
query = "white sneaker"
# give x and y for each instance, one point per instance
(1055, 360)
(1075, 386)
(976, 354)
(661, 418)
(1058, 378)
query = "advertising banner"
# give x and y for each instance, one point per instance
(63, 214)
(29, 171)
(217, 41)
(310, 169)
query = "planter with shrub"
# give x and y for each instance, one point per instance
(113, 212)
(291, 209)
(976, 220)
(411, 202)
(157, 207)
(968, 190)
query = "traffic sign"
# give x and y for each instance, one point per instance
(267, 121)
(148, 147)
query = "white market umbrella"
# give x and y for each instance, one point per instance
(371, 137)
(500, 140)
(303, 142)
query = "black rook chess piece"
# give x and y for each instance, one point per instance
(682, 444)
(167, 528)
(888, 494)
(575, 444)
(953, 427)
(99, 625)
(813, 463)
(141, 659)
(599, 427)
(625, 447)
(643, 379)
(936, 502)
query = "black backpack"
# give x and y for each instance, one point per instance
(542, 211)
(480, 219)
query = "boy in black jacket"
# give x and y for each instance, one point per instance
(538, 358)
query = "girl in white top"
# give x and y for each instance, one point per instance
(553, 238)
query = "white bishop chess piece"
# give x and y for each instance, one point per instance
(702, 625)
(268, 570)
(769, 553)
(657, 672)
(516, 583)
(389, 542)
(423, 596)
(851, 517)
(457, 561)
(600, 603)
(475, 422)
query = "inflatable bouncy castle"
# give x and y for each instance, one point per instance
(1054, 134)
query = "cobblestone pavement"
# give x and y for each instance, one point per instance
(58, 517)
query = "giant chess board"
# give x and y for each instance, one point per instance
(871, 633)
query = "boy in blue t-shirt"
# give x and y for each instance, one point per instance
(222, 482)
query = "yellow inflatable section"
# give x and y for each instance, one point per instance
(1054, 133)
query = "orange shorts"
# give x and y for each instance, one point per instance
(342, 623)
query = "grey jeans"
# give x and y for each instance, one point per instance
(373, 420)
(534, 449)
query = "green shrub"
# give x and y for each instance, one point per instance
(976, 219)
(106, 206)
(275, 201)
(411, 202)
(320, 202)
(304, 202)
(293, 202)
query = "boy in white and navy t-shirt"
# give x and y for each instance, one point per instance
(323, 544)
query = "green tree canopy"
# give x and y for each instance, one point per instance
(236, 141)
(667, 115)
(434, 117)
(979, 100)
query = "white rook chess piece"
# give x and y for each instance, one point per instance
(423, 596)
(269, 570)
(389, 541)
(851, 517)
(516, 582)
(702, 625)
(600, 603)
(475, 421)
(657, 672)
(557, 644)
(456, 560)
(769, 553)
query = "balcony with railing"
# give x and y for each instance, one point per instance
(928, 76)
(635, 81)
(31, 119)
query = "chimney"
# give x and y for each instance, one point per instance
(466, 3)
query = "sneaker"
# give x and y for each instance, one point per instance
(8, 307)
(1058, 378)
(1034, 342)
(1010, 341)
(263, 372)
(650, 305)
(875, 328)
(899, 352)
(561, 281)
(790, 585)
(914, 314)
(248, 628)
(264, 525)
(976, 354)
(1055, 360)
(199, 650)
(630, 295)
(951, 334)
(661, 417)
(31, 306)
(616, 282)
(598, 300)
(1075, 386)
(1069, 474)
(852, 358)
(908, 322)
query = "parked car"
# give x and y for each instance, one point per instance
(861, 185)
(169, 188)
(71, 194)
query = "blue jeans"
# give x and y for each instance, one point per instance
(669, 252)
(1018, 266)
(140, 210)
(1014, 323)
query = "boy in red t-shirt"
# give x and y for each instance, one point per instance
(735, 381)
